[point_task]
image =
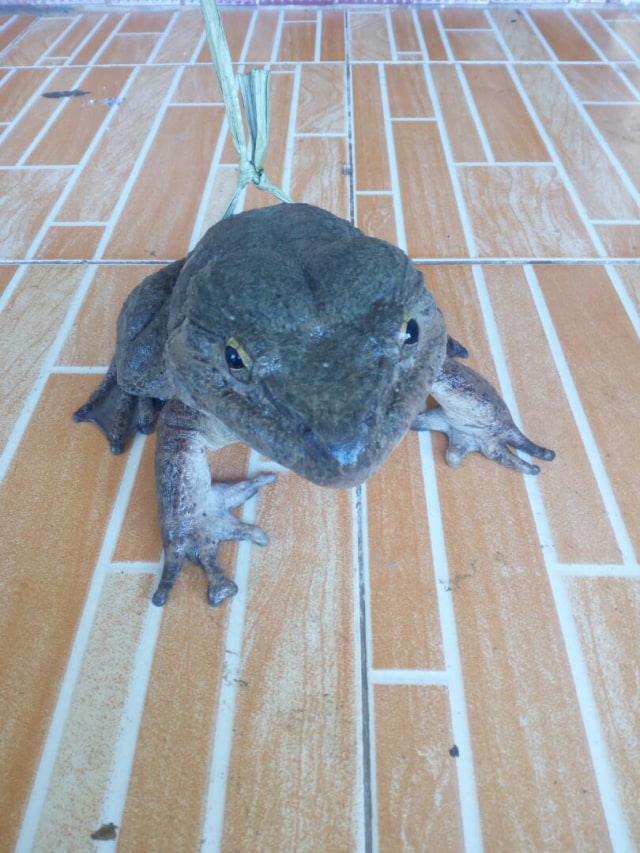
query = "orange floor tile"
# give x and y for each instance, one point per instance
(442, 660)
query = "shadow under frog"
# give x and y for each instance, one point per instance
(288, 329)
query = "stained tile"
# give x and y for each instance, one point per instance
(605, 611)
(370, 138)
(81, 772)
(522, 211)
(604, 39)
(297, 42)
(504, 608)
(377, 141)
(620, 126)
(332, 47)
(369, 37)
(14, 29)
(510, 131)
(182, 150)
(84, 496)
(6, 274)
(475, 46)
(580, 524)
(102, 179)
(417, 788)
(22, 222)
(20, 137)
(460, 125)
(183, 38)
(600, 343)
(519, 36)
(262, 40)
(87, 52)
(404, 32)
(630, 276)
(407, 91)
(297, 714)
(81, 27)
(599, 186)
(322, 105)
(29, 324)
(463, 19)
(171, 765)
(620, 241)
(128, 49)
(566, 42)
(91, 340)
(70, 242)
(18, 89)
(431, 219)
(597, 83)
(433, 41)
(198, 85)
(74, 127)
(36, 40)
(404, 610)
(146, 22)
(319, 178)
(375, 216)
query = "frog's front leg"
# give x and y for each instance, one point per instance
(475, 417)
(195, 514)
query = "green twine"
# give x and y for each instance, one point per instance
(254, 87)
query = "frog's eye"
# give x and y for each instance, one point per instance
(236, 357)
(410, 332)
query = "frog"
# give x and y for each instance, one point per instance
(290, 330)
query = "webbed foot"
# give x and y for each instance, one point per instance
(117, 414)
(476, 418)
(197, 533)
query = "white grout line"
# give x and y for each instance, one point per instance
(443, 37)
(605, 776)
(404, 677)
(624, 297)
(317, 48)
(471, 106)
(391, 36)
(46, 765)
(277, 39)
(223, 723)
(368, 739)
(582, 422)
(467, 792)
(363, 796)
(394, 175)
(291, 133)
(598, 570)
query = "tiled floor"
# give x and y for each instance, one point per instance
(442, 660)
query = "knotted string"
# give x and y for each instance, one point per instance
(254, 87)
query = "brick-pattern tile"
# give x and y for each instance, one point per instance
(439, 660)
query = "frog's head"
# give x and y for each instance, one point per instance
(321, 365)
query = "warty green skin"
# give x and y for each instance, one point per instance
(288, 329)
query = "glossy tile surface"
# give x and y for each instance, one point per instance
(441, 660)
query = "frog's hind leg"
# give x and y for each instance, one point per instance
(476, 418)
(119, 415)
